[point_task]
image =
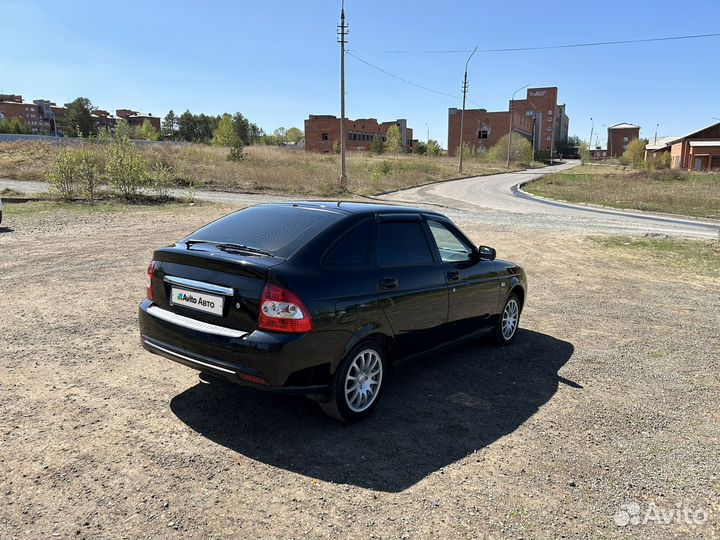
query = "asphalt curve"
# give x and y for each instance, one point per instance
(501, 196)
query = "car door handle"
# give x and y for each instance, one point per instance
(389, 283)
(453, 276)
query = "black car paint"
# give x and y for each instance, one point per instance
(411, 309)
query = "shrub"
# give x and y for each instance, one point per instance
(126, 169)
(393, 145)
(74, 169)
(634, 153)
(237, 151)
(433, 148)
(520, 150)
(585, 155)
(61, 175)
(376, 145)
(161, 179)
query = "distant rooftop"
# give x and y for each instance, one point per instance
(624, 125)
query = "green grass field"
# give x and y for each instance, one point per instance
(688, 193)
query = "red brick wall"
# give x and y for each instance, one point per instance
(29, 113)
(617, 142)
(321, 132)
(496, 124)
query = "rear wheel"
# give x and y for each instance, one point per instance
(509, 320)
(358, 383)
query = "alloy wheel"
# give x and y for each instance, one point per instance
(363, 380)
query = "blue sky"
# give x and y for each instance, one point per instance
(277, 62)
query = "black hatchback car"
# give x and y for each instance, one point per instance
(321, 298)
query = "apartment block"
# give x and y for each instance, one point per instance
(13, 106)
(137, 119)
(322, 133)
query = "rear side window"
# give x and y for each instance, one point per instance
(351, 249)
(402, 244)
(281, 230)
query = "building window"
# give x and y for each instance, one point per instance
(324, 136)
(625, 139)
(483, 134)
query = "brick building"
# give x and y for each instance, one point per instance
(551, 123)
(13, 106)
(538, 117)
(137, 119)
(322, 132)
(619, 136)
(697, 151)
(483, 129)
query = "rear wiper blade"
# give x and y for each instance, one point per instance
(228, 246)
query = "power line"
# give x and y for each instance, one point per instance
(546, 47)
(386, 72)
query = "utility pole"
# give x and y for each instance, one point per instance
(512, 99)
(428, 133)
(656, 130)
(342, 33)
(462, 114)
(592, 128)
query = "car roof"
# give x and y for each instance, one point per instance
(351, 207)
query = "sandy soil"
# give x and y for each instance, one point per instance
(609, 397)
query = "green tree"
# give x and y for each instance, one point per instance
(187, 126)
(169, 125)
(433, 148)
(420, 148)
(14, 125)
(242, 127)
(393, 144)
(78, 120)
(376, 145)
(520, 150)
(148, 132)
(225, 134)
(294, 135)
(281, 134)
(585, 154)
(634, 153)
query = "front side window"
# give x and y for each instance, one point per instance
(402, 244)
(483, 134)
(451, 248)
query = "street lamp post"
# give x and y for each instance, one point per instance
(656, 130)
(428, 133)
(512, 99)
(592, 128)
(462, 114)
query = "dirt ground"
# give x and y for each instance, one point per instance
(609, 397)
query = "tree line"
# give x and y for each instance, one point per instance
(78, 121)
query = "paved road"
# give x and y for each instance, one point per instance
(492, 200)
(499, 199)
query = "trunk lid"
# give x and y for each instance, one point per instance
(211, 285)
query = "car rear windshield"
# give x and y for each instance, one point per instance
(280, 230)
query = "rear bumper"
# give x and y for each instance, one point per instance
(289, 363)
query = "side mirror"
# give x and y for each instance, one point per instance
(486, 253)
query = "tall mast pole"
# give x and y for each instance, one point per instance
(342, 33)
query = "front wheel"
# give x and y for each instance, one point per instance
(509, 320)
(358, 383)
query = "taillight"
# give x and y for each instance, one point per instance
(282, 311)
(150, 276)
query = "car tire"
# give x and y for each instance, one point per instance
(358, 383)
(508, 321)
